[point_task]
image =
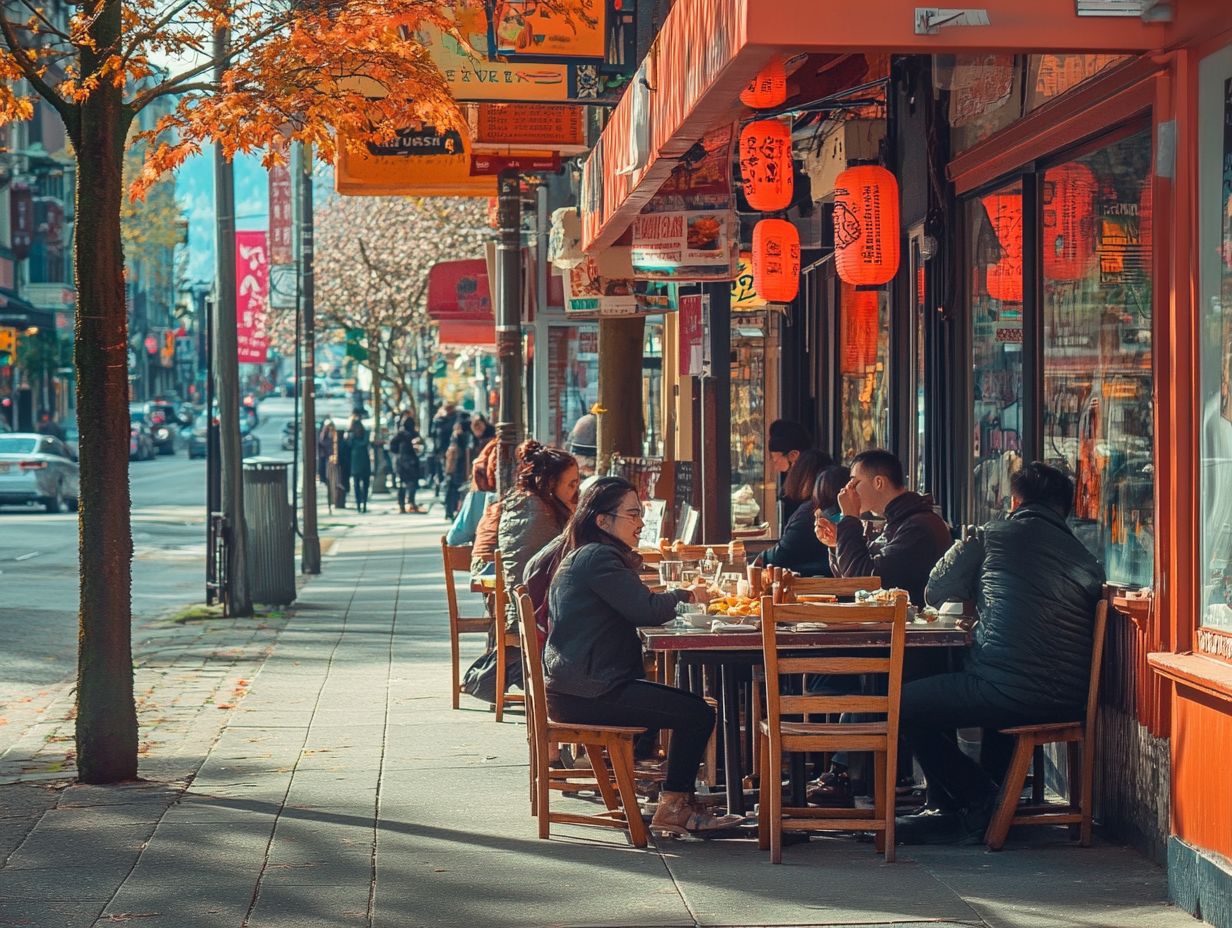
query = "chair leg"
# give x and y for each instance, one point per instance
(764, 782)
(603, 775)
(775, 762)
(1088, 788)
(1011, 790)
(454, 664)
(1037, 775)
(543, 792)
(620, 751)
(883, 802)
(534, 769)
(501, 661)
(889, 788)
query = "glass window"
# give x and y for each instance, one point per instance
(573, 360)
(995, 286)
(652, 387)
(1215, 342)
(1096, 302)
(863, 385)
(748, 399)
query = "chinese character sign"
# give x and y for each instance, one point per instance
(280, 244)
(251, 296)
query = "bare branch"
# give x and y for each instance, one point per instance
(69, 112)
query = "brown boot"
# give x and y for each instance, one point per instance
(680, 816)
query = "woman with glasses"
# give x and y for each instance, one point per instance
(593, 658)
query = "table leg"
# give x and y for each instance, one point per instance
(733, 773)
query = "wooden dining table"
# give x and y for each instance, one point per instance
(730, 650)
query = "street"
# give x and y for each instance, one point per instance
(38, 564)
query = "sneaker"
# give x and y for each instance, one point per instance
(833, 789)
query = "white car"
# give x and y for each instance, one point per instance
(37, 470)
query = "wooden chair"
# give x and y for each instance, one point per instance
(1080, 737)
(609, 747)
(457, 559)
(797, 589)
(503, 639)
(778, 737)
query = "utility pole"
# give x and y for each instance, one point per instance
(509, 324)
(310, 551)
(227, 373)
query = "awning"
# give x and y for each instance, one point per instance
(708, 50)
(18, 313)
(462, 332)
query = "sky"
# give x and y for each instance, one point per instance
(195, 191)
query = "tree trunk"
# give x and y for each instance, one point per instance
(106, 713)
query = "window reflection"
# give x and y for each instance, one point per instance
(1097, 349)
(863, 384)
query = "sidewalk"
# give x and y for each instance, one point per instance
(330, 784)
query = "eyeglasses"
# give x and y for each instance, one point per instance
(631, 513)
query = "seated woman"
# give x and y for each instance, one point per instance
(798, 549)
(593, 658)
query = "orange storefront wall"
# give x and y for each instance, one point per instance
(1201, 799)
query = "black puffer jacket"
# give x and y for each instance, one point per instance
(913, 540)
(1036, 587)
(597, 601)
(798, 548)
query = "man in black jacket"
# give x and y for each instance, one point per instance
(1035, 587)
(914, 537)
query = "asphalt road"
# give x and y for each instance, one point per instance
(38, 559)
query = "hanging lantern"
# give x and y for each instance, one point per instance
(1068, 222)
(776, 260)
(861, 311)
(765, 165)
(866, 233)
(768, 89)
(1004, 279)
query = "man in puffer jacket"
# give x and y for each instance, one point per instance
(1035, 587)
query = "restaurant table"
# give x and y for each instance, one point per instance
(730, 650)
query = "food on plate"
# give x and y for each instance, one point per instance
(735, 606)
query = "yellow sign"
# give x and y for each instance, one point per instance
(532, 29)
(419, 163)
(8, 341)
(743, 297)
(471, 76)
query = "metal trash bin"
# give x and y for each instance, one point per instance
(271, 531)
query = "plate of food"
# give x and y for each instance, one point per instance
(735, 607)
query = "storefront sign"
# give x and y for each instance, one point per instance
(459, 290)
(419, 162)
(530, 163)
(689, 328)
(531, 29)
(603, 286)
(280, 230)
(744, 298)
(527, 126)
(251, 296)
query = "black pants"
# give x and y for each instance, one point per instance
(933, 707)
(406, 493)
(453, 496)
(651, 705)
(361, 492)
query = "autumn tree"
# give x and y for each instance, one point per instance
(373, 259)
(285, 72)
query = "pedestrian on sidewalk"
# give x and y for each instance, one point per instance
(457, 468)
(361, 463)
(405, 447)
(592, 661)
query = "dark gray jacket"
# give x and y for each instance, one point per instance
(913, 540)
(798, 548)
(1035, 587)
(597, 602)
(527, 523)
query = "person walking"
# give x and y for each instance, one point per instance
(457, 469)
(405, 447)
(361, 463)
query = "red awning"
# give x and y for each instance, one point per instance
(466, 332)
(708, 50)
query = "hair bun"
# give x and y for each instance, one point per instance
(531, 449)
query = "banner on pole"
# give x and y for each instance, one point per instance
(251, 296)
(280, 230)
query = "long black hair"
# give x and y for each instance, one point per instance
(601, 498)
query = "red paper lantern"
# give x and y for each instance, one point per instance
(866, 225)
(768, 89)
(765, 165)
(776, 260)
(861, 329)
(1069, 221)
(1004, 279)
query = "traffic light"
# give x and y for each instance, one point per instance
(8, 346)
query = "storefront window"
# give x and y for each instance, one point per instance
(863, 385)
(748, 416)
(574, 376)
(652, 387)
(995, 222)
(1096, 303)
(1215, 341)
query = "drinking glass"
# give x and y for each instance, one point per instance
(672, 574)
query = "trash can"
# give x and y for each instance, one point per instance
(271, 531)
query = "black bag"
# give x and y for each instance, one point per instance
(480, 678)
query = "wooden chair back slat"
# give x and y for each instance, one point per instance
(457, 558)
(532, 665)
(837, 665)
(833, 586)
(452, 557)
(832, 705)
(1097, 661)
(831, 613)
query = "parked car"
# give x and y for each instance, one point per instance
(250, 445)
(141, 445)
(37, 470)
(164, 423)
